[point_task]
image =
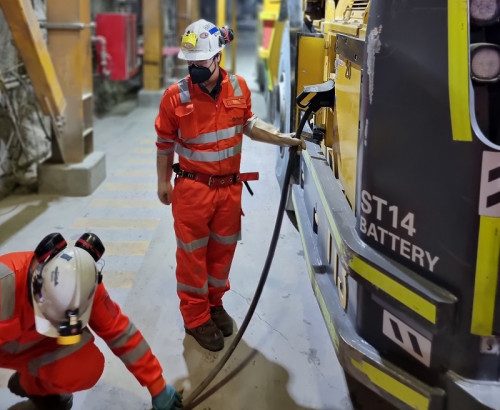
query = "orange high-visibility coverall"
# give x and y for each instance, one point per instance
(46, 367)
(207, 135)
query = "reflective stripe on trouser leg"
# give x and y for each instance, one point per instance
(192, 208)
(225, 233)
(49, 368)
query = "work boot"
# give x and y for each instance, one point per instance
(49, 402)
(208, 336)
(222, 320)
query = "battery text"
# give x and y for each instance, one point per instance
(391, 215)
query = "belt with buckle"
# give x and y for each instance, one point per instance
(215, 180)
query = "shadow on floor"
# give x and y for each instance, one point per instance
(23, 405)
(248, 380)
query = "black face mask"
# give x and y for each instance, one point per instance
(200, 74)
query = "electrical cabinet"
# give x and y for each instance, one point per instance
(116, 45)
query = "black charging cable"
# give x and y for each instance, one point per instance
(189, 402)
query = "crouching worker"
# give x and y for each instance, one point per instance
(49, 301)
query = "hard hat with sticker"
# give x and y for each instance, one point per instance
(201, 41)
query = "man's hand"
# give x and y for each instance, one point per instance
(291, 141)
(168, 399)
(261, 131)
(165, 192)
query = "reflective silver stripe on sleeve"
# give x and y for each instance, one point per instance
(181, 287)
(164, 140)
(216, 135)
(226, 240)
(236, 85)
(123, 337)
(7, 292)
(14, 346)
(64, 351)
(131, 357)
(184, 91)
(208, 156)
(217, 283)
(192, 246)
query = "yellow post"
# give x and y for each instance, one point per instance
(187, 12)
(195, 10)
(234, 43)
(69, 40)
(33, 50)
(221, 21)
(272, 31)
(152, 11)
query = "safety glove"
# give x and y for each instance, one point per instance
(168, 399)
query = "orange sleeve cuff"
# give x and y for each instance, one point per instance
(157, 386)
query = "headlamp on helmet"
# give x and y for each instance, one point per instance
(188, 40)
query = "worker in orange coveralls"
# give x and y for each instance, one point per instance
(202, 118)
(49, 299)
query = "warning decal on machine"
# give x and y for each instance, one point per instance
(407, 338)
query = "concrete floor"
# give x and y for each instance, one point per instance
(285, 359)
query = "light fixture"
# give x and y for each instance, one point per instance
(484, 12)
(485, 62)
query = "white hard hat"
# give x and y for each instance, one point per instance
(63, 292)
(201, 41)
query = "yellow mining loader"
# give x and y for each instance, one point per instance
(397, 197)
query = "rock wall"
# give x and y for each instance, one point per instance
(24, 130)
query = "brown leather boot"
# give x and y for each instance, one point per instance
(222, 320)
(208, 336)
(49, 402)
